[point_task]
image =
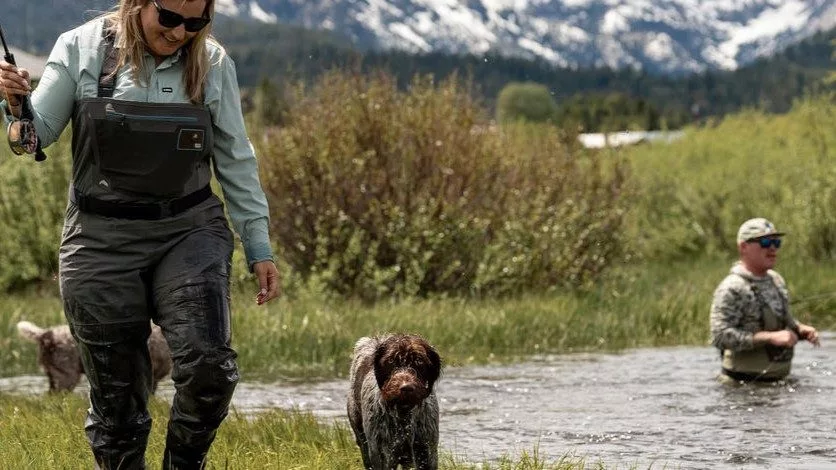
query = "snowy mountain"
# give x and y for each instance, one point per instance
(669, 36)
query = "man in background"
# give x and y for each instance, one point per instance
(751, 322)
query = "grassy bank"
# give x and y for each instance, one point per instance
(312, 335)
(46, 432)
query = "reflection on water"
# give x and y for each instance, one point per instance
(650, 406)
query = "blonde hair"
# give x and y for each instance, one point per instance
(125, 23)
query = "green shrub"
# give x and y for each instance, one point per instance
(377, 192)
(531, 102)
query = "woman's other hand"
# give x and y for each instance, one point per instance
(268, 281)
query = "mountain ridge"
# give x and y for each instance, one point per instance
(663, 36)
(669, 37)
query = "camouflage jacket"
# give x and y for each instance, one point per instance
(737, 309)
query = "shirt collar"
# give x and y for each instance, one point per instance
(168, 61)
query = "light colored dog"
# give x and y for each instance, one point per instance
(392, 407)
(59, 357)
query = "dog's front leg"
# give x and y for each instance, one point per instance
(365, 453)
(380, 455)
(425, 443)
(425, 455)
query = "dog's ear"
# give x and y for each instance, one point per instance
(382, 370)
(30, 331)
(434, 367)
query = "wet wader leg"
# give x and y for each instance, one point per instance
(191, 292)
(112, 343)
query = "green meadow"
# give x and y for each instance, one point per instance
(495, 244)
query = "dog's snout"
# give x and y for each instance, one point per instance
(407, 388)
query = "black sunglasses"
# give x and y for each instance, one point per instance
(767, 242)
(170, 19)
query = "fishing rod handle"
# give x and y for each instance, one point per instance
(25, 112)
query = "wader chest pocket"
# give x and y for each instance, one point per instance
(149, 153)
(190, 139)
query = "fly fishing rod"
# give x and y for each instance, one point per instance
(28, 141)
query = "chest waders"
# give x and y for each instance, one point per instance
(145, 239)
(765, 363)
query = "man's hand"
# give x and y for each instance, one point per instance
(268, 281)
(780, 338)
(809, 333)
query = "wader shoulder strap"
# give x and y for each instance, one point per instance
(766, 309)
(107, 77)
(781, 286)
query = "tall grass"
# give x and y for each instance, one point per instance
(33, 197)
(312, 334)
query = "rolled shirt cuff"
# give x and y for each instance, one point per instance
(256, 253)
(257, 243)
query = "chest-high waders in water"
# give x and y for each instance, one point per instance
(145, 239)
(765, 363)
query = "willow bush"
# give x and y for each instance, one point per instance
(695, 193)
(376, 191)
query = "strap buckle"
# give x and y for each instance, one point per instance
(165, 209)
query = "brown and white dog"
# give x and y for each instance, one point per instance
(59, 357)
(392, 407)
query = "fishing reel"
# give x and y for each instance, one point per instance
(23, 139)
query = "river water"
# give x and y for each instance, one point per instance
(660, 407)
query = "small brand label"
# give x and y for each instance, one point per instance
(190, 139)
(167, 89)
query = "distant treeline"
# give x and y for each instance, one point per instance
(281, 54)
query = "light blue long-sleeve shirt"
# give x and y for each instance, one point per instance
(72, 73)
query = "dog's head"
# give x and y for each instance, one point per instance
(57, 354)
(406, 368)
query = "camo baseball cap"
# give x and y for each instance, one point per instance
(757, 228)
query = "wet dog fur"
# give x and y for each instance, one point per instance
(59, 358)
(392, 407)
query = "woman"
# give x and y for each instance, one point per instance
(154, 105)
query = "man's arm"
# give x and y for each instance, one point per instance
(727, 311)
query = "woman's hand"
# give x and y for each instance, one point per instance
(268, 281)
(13, 82)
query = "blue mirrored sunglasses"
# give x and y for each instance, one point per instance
(767, 242)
